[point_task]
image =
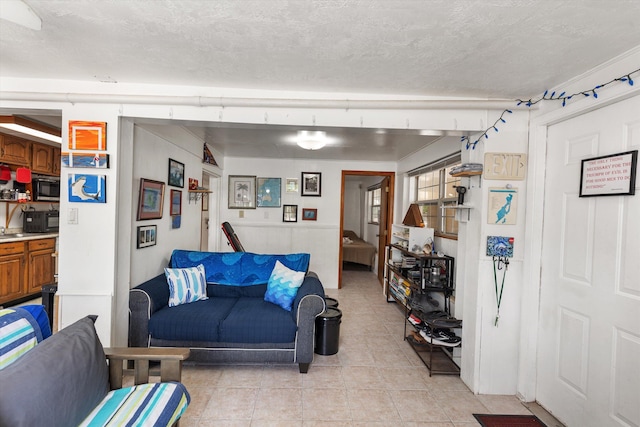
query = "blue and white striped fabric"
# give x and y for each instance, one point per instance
(154, 404)
(19, 333)
(186, 285)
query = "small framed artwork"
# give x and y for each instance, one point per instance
(269, 192)
(311, 184)
(176, 174)
(292, 185)
(175, 221)
(146, 236)
(176, 202)
(85, 160)
(242, 192)
(193, 184)
(611, 175)
(87, 188)
(309, 214)
(85, 135)
(290, 213)
(150, 199)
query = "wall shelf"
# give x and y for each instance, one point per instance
(196, 195)
(459, 210)
(10, 211)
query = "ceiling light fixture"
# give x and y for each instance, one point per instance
(311, 140)
(29, 127)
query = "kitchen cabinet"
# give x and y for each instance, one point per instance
(13, 271)
(42, 158)
(14, 150)
(25, 266)
(41, 264)
(57, 161)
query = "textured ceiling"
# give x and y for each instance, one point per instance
(464, 48)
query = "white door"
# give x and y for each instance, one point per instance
(589, 331)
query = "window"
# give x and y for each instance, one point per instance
(435, 188)
(373, 195)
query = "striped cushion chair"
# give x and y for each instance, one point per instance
(19, 333)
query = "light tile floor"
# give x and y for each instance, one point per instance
(374, 380)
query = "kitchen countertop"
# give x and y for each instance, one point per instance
(18, 237)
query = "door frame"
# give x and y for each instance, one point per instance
(530, 303)
(390, 203)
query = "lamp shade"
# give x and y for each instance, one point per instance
(23, 175)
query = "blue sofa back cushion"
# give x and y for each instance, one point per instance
(238, 268)
(197, 321)
(226, 291)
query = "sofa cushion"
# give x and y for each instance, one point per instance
(19, 333)
(226, 291)
(64, 377)
(253, 320)
(155, 404)
(198, 321)
(238, 268)
(283, 286)
(186, 285)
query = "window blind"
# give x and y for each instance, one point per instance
(442, 162)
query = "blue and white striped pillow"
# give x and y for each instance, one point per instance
(186, 285)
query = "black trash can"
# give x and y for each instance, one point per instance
(48, 292)
(328, 331)
(331, 302)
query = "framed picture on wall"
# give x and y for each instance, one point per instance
(269, 192)
(146, 236)
(242, 192)
(309, 214)
(311, 184)
(150, 199)
(176, 202)
(176, 174)
(290, 213)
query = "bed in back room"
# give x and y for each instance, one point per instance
(356, 250)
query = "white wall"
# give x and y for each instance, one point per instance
(151, 153)
(262, 229)
(353, 213)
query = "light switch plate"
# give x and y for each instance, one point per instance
(73, 216)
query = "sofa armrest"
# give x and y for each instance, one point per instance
(170, 363)
(307, 305)
(144, 300)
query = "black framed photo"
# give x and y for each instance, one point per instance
(176, 173)
(311, 184)
(146, 236)
(610, 175)
(290, 213)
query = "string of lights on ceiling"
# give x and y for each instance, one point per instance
(553, 96)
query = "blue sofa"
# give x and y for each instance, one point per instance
(235, 324)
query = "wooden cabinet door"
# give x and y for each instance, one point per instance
(41, 270)
(12, 271)
(14, 150)
(57, 161)
(42, 158)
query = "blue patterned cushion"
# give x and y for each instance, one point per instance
(238, 268)
(153, 404)
(186, 285)
(19, 333)
(283, 285)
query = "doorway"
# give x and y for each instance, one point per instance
(209, 230)
(378, 236)
(589, 334)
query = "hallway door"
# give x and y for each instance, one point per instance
(383, 228)
(589, 330)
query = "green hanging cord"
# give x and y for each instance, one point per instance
(495, 281)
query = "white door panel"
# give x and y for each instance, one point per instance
(589, 331)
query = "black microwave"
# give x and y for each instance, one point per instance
(46, 189)
(40, 221)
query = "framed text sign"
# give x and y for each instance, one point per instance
(611, 175)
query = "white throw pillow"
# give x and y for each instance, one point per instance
(186, 285)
